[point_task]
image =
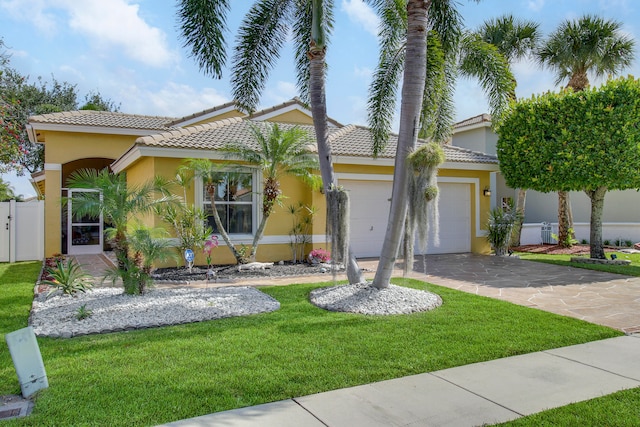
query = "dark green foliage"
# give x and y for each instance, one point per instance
(68, 277)
(574, 141)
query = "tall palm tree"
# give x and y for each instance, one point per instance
(263, 32)
(277, 153)
(515, 39)
(577, 48)
(426, 43)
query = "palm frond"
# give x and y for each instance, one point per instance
(202, 26)
(383, 94)
(483, 61)
(260, 38)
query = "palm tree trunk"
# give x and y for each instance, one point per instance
(222, 231)
(516, 234)
(318, 101)
(412, 92)
(595, 237)
(258, 237)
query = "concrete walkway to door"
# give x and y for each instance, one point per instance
(604, 298)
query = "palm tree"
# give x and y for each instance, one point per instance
(263, 32)
(277, 153)
(116, 201)
(515, 39)
(7, 192)
(577, 48)
(212, 176)
(425, 42)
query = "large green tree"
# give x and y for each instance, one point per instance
(277, 152)
(515, 39)
(423, 43)
(567, 141)
(261, 37)
(577, 48)
(20, 98)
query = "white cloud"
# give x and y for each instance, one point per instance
(117, 24)
(363, 72)
(281, 92)
(174, 100)
(362, 14)
(33, 11)
(113, 24)
(535, 5)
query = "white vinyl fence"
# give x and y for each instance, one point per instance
(21, 231)
(532, 234)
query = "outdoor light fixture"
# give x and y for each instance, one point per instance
(487, 192)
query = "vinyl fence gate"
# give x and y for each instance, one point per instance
(21, 231)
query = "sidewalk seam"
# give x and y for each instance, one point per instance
(476, 394)
(591, 366)
(309, 412)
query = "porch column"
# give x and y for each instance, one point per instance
(52, 209)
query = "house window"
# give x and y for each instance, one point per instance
(234, 201)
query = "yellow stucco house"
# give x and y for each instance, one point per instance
(146, 146)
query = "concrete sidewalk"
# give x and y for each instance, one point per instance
(488, 392)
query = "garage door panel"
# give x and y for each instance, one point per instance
(370, 210)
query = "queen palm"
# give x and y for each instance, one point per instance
(263, 32)
(577, 48)
(426, 45)
(277, 153)
(118, 203)
(515, 39)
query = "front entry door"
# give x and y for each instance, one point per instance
(85, 232)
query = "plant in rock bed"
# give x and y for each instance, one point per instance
(68, 277)
(319, 255)
(499, 227)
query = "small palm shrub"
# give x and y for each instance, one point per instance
(499, 229)
(68, 277)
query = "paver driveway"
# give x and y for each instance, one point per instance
(607, 299)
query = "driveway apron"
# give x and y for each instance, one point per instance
(604, 298)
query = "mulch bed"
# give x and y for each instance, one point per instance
(558, 250)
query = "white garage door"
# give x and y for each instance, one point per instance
(370, 211)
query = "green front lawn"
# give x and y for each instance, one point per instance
(618, 409)
(631, 270)
(159, 375)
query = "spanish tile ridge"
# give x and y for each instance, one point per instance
(79, 113)
(292, 101)
(340, 132)
(179, 132)
(480, 118)
(203, 113)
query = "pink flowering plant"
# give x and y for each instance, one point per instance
(319, 255)
(209, 245)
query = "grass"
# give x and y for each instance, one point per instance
(618, 409)
(154, 376)
(630, 270)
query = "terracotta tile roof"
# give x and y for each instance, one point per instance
(482, 118)
(104, 119)
(202, 113)
(349, 141)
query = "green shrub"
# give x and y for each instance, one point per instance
(499, 228)
(83, 312)
(68, 277)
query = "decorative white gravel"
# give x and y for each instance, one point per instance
(363, 298)
(113, 311)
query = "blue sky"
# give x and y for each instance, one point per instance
(129, 50)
